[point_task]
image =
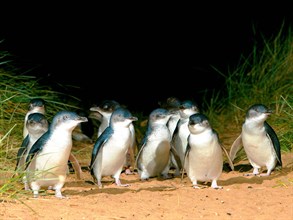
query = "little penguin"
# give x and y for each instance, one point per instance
(179, 138)
(153, 158)
(48, 157)
(103, 113)
(36, 125)
(172, 104)
(35, 105)
(203, 157)
(260, 142)
(110, 149)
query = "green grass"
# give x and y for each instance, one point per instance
(16, 90)
(265, 76)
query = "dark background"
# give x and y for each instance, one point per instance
(137, 55)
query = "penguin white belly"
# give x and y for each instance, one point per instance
(155, 157)
(259, 149)
(50, 165)
(204, 161)
(113, 154)
(51, 168)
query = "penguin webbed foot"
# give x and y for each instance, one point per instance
(36, 195)
(99, 184)
(254, 173)
(60, 196)
(118, 183)
(196, 186)
(215, 185)
(268, 173)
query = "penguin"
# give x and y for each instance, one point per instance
(46, 163)
(203, 159)
(260, 142)
(36, 125)
(105, 110)
(110, 149)
(172, 104)
(179, 138)
(103, 113)
(35, 105)
(153, 158)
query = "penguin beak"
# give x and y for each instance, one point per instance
(269, 111)
(82, 119)
(94, 109)
(133, 118)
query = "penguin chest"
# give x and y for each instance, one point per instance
(155, 156)
(52, 160)
(258, 147)
(204, 161)
(112, 156)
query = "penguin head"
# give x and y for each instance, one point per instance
(37, 105)
(198, 122)
(188, 108)
(105, 109)
(258, 112)
(122, 116)
(95, 114)
(37, 122)
(170, 103)
(160, 116)
(67, 120)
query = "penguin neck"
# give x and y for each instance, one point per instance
(62, 137)
(255, 126)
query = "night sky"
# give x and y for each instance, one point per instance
(138, 57)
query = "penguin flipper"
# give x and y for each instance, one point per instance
(102, 139)
(228, 157)
(275, 141)
(36, 148)
(185, 156)
(176, 156)
(22, 150)
(142, 145)
(175, 133)
(236, 146)
(76, 166)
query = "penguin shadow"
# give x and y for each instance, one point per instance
(243, 169)
(88, 187)
(96, 190)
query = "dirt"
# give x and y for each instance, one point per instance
(242, 197)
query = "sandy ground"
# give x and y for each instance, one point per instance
(241, 198)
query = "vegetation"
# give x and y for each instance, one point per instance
(264, 77)
(16, 90)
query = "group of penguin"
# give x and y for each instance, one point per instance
(177, 136)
